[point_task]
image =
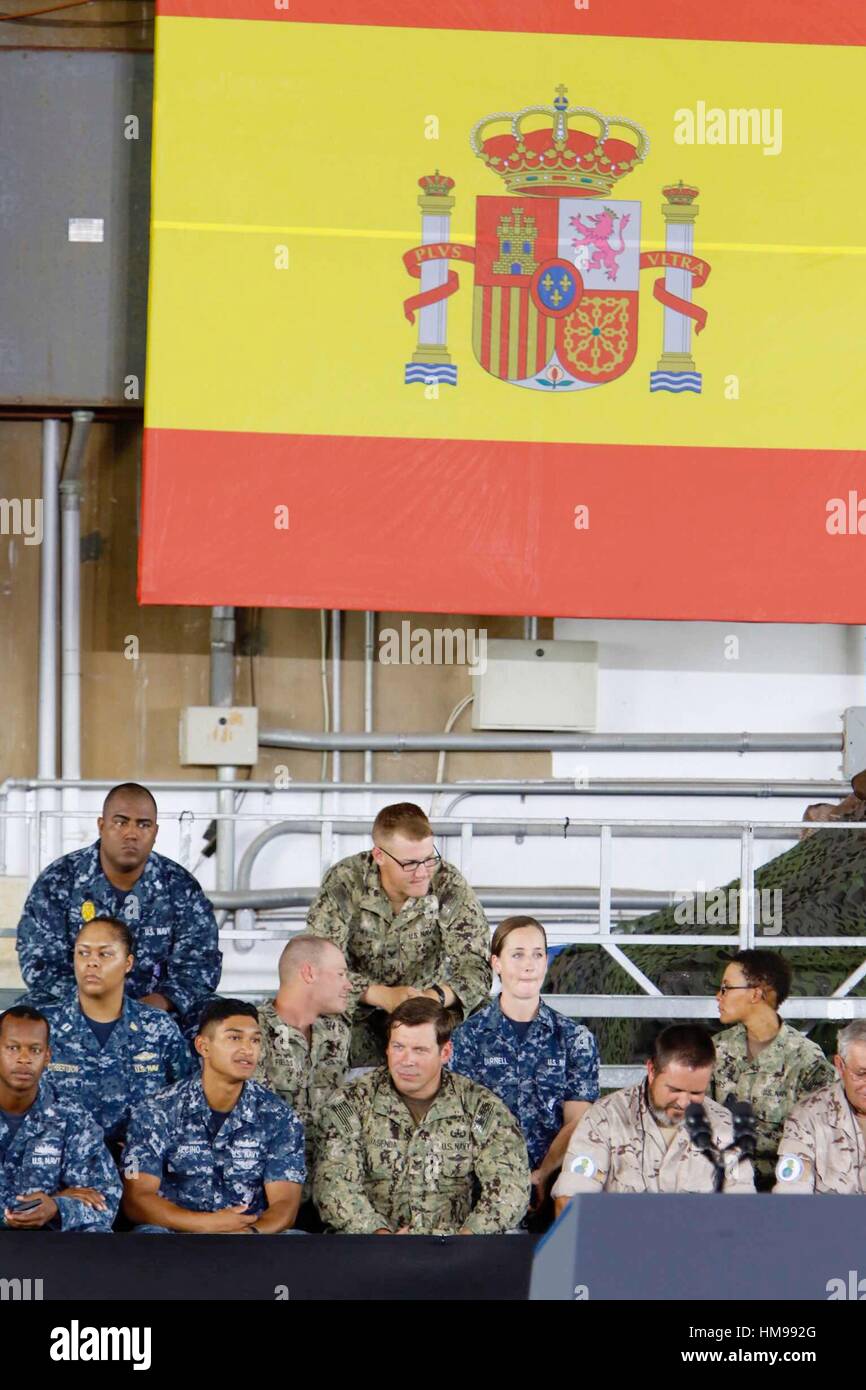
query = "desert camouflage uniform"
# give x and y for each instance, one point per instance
(822, 1148)
(305, 1077)
(173, 928)
(555, 1061)
(58, 1145)
(145, 1052)
(785, 1071)
(377, 1169)
(261, 1141)
(442, 938)
(618, 1147)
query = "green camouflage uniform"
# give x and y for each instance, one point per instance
(303, 1076)
(823, 885)
(785, 1071)
(442, 938)
(377, 1169)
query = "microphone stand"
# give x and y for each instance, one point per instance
(699, 1133)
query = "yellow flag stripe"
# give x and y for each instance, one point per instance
(382, 233)
(513, 333)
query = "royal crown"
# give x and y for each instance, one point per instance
(681, 194)
(436, 185)
(558, 158)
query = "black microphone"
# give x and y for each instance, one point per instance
(745, 1128)
(698, 1127)
(700, 1134)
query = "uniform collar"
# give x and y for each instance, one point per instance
(243, 1112)
(740, 1044)
(34, 1119)
(95, 870)
(543, 1022)
(124, 1021)
(387, 1099)
(320, 1025)
(847, 1113)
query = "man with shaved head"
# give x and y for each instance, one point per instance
(305, 1039)
(174, 934)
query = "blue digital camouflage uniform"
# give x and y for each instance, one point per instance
(145, 1053)
(172, 923)
(261, 1141)
(58, 1146)
(556, 1061)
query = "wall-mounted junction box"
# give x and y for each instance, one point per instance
(854, 741)
(213, 736)
(535, 685)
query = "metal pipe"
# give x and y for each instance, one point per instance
(550, 742)
(222, 687)
(564, 786)
(503, 827)
(337, 694)
(48, 614)
(571, 899)
(369, 656)
(689, 1006)
(637, 786)
(71, 491)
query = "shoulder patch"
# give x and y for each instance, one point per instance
(789, 1168)
(583, 1165)
(485, 1120)
(345, 1118)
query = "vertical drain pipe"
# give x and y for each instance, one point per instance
(369, 655)
(222, 694)
(46, 763)
(336, 686)
(71, 491)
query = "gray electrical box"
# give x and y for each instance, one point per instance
(75, 128)
(535, 685)
(214, 736)
(854, 742)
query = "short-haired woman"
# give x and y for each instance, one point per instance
(758, 1057)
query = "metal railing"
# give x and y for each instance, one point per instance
(604, 903)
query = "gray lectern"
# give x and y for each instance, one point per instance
(650, 1246)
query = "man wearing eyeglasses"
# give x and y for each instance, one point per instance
(823, 1147)
(408, 924)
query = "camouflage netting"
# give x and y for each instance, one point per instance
(823, 887)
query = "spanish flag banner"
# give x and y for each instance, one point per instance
(504, 307)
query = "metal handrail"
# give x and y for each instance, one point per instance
(549, 742)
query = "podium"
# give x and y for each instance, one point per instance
(695, 1246)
